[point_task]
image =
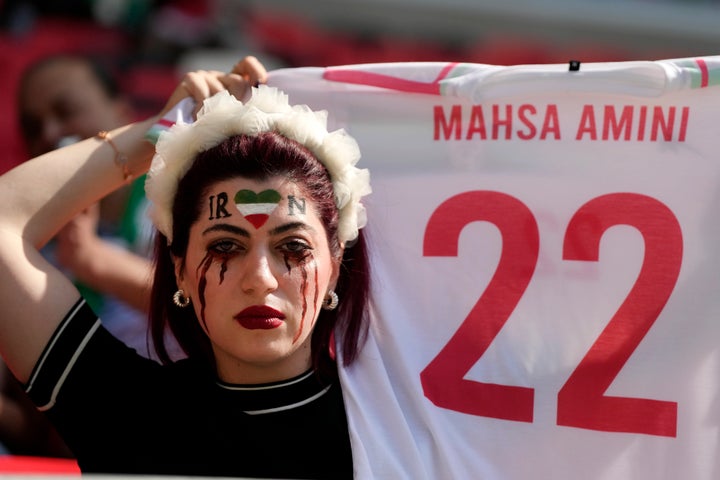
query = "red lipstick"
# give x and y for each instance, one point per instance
(260, 317)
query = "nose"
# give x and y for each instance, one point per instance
(258, 276)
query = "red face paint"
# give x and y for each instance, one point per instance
(302, 263)
(201, 272)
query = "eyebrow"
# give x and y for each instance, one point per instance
(226, 227)
(291, 226)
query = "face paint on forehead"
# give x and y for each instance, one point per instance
(296, 206)
(217, 204)
(257, 207)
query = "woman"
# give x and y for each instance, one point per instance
(259, 263)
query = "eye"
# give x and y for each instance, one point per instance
(296, 247)
(224, 247)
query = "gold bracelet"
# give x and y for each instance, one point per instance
(121, 159)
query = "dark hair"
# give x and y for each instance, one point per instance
(260, 157)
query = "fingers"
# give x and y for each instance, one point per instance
(201, 84)
(238, 86)
(251, 70)
(246, 73)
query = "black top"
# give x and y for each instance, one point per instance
(122, 413)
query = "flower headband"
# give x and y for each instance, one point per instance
(223, 116)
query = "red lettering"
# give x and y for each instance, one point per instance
(523, 113)
(641, 123)
(619, 122)
(451, 128)
(659, 123)
(587, 124)
(582, 401)
(443, 380)
(618, 127)
(477, 123)
(683, 123)
(498, 122)
(551, 123)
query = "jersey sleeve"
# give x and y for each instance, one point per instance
(96, 390)
(84, 360)
(60, 355)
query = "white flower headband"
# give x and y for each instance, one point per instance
(223, 116)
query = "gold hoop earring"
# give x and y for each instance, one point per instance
(331, 301)
(180, 299)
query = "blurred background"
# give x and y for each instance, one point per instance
(148, 44)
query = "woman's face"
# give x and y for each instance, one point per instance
(257, 269)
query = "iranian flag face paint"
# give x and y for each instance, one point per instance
(257, 207)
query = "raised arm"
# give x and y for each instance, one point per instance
(40, 196)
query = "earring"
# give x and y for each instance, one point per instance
(331, 301)
(180, 299)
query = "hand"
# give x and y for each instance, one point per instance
(76, 242)
(202, 84)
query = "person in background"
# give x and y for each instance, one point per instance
(106, 249)
(63, 99)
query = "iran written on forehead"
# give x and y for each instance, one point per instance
(257, 201)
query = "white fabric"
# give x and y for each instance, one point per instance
(553, 161)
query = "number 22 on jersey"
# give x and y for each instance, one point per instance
(581, 402)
